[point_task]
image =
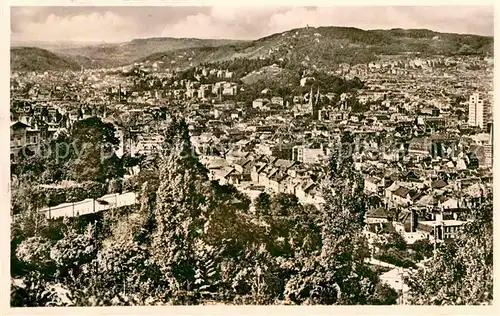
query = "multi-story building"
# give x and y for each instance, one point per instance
(277, 100)
(476, 110)
(204, 91)
(23, 135)
(230, 90)
(147, 144)
(308, 155)
(259, 103)
(488, 148)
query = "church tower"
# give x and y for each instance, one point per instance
(315, 107)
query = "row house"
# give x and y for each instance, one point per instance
(222, 175)
(309, 193)
(277, 183)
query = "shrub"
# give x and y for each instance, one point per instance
(131, 184)
(115, 186)
(34, 252)
(422, 249)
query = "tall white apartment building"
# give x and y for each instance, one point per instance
(476, 111)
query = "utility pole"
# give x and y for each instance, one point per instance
(435, 236)
(96, 267)
(402, 286)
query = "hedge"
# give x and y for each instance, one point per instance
(396, 260)
(85, 190)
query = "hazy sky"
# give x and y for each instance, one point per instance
(117, 24)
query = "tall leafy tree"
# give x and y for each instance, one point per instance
(262, 204)
(345, 278)
(178, 211)
(462, 270)
(92, 142)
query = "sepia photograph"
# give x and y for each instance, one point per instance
(264, 155)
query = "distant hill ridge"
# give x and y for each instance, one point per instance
(37, 59)
(319, 46)
(327, 46)
(117, 54)
(160, 39)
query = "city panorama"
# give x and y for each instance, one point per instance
(251, 156)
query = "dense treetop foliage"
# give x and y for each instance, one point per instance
(191, 240)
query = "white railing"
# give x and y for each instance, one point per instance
(89, 206)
